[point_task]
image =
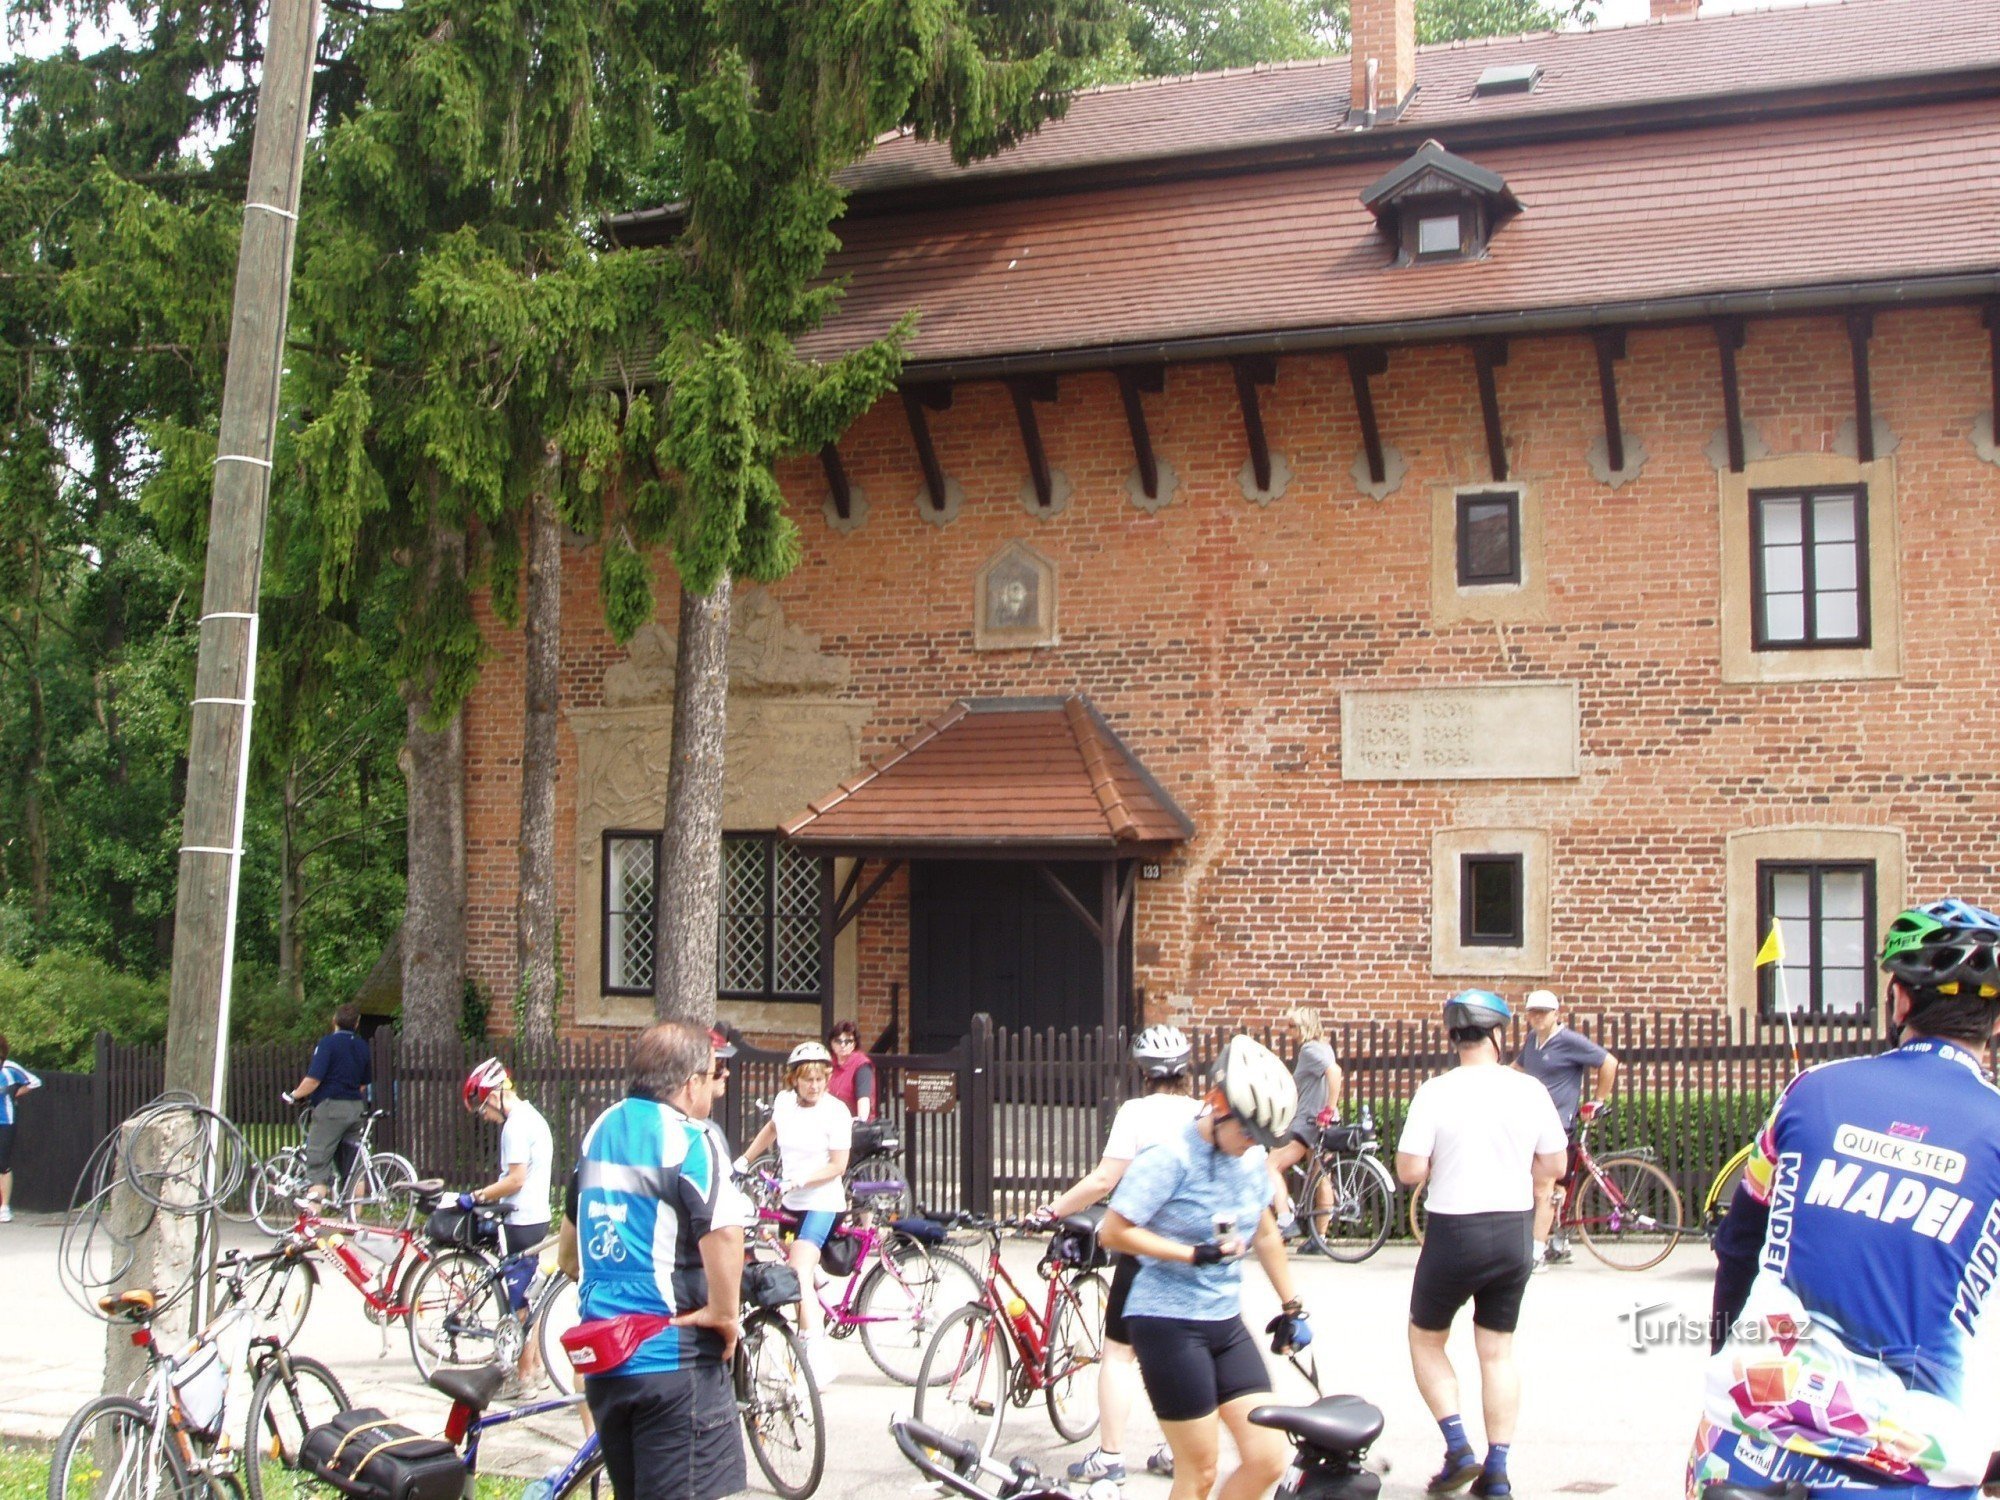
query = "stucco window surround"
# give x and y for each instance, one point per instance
(1449, 955)
(1883, 655)
(1803, 844)
(1451, 601)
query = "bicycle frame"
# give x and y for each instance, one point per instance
(463, 1427)
(1030, 1344)
(1584, 1167)
(330, 1239)
(875, 1241)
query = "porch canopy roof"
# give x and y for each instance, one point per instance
(999, 778)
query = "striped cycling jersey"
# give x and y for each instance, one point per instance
(651, 1182)
(13, 1076)
(1882, 1175)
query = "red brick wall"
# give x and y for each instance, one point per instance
(1216, 637)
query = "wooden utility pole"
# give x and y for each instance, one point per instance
(211, 854)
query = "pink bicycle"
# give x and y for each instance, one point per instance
(893, 1282)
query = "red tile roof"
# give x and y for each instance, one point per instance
(993, 774)
(1660, 63)
(1802, 202)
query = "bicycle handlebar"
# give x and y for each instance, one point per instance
(913, 1434)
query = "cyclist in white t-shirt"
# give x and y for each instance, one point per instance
(1485, 1142)
(815, 1134)
(1161, 1113)
(527, 1153)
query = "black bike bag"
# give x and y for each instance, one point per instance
(364, 1454)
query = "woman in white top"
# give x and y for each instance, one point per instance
(815, 1133)
(1162, 1112)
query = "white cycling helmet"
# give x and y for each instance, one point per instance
(1161, 1052)
(1257, 1088)
(809, 1052)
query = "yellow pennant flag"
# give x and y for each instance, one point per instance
(1773, 951)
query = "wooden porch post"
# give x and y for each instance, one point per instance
(1108, 931)
(826, 935)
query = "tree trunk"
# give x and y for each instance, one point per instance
(535, 909)
(34, 817)
(433, 764)
(690, 900)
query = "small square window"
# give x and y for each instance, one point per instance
(1491, 903)
(1489, 539)
(1438, 234)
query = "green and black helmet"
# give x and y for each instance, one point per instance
(1945, 946)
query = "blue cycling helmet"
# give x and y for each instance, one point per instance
(1943, 946)
(1475, 1010)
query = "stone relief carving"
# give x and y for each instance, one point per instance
(1469, 733)
(766, 655)
(1014, 600)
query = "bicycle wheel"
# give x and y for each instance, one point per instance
(291, 1397)
(383, 1191)
(1353, 1203)
(879, 1181)
(904, 1296)
(1722, 1191)
(555, 1315)
(280, 1297)
(589, 1482)
(1076, 1349)
(780, 1403)
(459, 1316)
(1629, 1214)
(963, 1387)
(275, 1188)
(111, 1450)
(1418, 1213)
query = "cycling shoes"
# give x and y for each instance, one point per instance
(1460, 1469)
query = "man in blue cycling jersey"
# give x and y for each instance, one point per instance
(1853, 1284)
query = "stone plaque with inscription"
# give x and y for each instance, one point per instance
(1500, 732)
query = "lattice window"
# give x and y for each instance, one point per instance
(631, 874)
(769, 942)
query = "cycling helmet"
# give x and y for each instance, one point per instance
(1480, 1010)
(809, 1052)
(483, 1080)
(1944, 945)
(719, 1043)
(1161, 1052)
(1257, 1089)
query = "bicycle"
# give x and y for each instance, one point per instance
(998, 1351)
(1020, 1480)
(374, 1184)
(458, 1311)
(172, 1439)
(1343, 1196)
(1624, 1208)
(894, 1288)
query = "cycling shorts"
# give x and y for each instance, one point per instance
(816, 1226)
(1484, 1259)
(1729, 1455)
(1193, 1367)
(1123, 1269)
(6, 1148)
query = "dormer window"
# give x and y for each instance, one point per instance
(1439, 207)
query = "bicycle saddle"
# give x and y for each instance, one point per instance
(1335, 1424)
(1726, 1489)
(474, 1388)
(134, 1306)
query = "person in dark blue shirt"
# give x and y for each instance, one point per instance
(337, 1081)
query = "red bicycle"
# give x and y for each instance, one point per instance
(999, 1351)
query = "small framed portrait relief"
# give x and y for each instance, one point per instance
(1015, 601)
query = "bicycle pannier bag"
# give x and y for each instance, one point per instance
(603, 1344)
(364, 1454)
(201, 1386)
(1344, 1137)
(840, 1254)
(770, 1283)
(1075, 1241)
(455, 1226)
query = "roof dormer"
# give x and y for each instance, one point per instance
(1437, 206)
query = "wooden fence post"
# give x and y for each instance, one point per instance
(976, 1138)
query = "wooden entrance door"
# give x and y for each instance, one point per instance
(994, 938)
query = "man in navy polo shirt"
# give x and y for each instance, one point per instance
(337, 1081)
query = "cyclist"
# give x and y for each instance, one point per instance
(1190, 1209)
(1558, 1056)
(815, 1134)
(527, 1153)
(337, 1080)
(1486, 1139)
(1317, 1077)
(1867, 1246)
(15, 1081)
(1165, 1110)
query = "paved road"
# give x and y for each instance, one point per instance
(1601, 1416)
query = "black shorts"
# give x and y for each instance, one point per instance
(1481, 1258)
(670, 1436)
(6, 1148)
(1124, 1268)
(1191, 1368)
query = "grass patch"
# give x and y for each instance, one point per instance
(24, 1475)
(24, 1471)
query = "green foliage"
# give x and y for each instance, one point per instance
(51, 1010)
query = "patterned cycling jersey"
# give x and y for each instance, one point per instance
(1882, 1175)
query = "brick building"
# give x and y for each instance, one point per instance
(1512, 513)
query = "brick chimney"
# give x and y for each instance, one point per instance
(1384, 58)
(1667, 10)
